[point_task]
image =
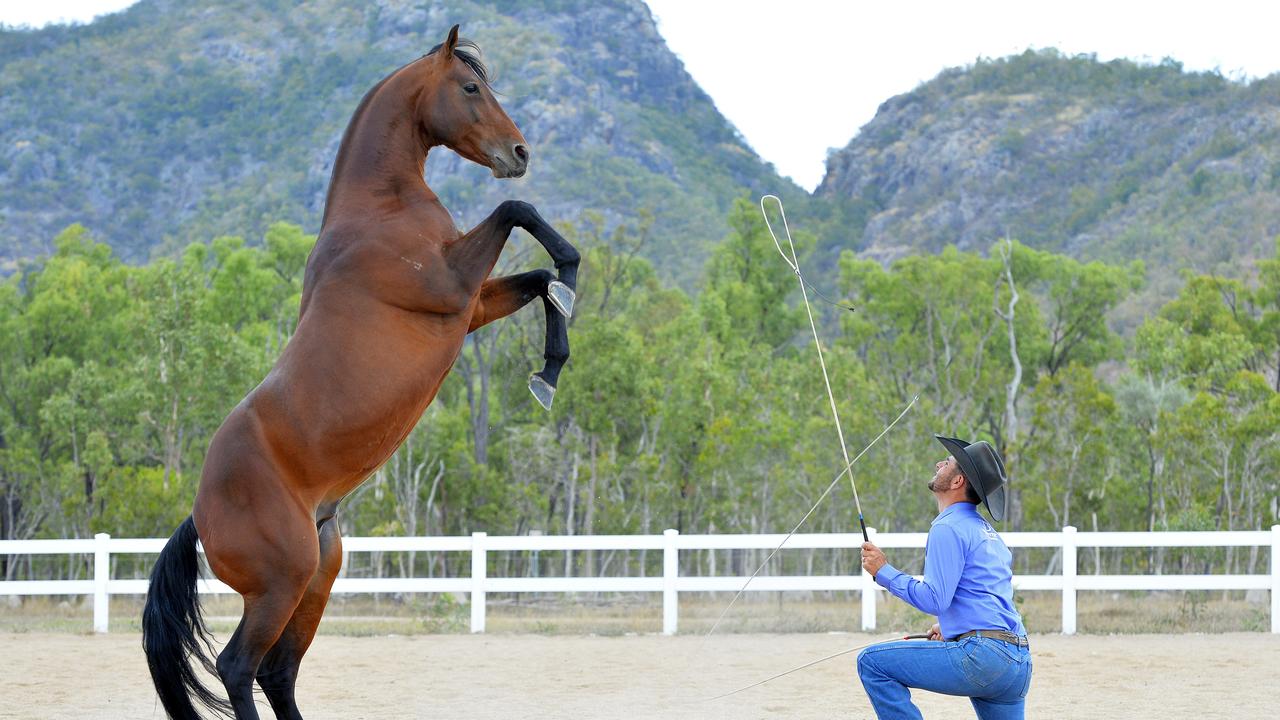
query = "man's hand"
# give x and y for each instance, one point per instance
(872, 558)
(935, 632)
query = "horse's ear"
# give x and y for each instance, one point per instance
(450, 43)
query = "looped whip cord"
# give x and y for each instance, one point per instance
(794, 264)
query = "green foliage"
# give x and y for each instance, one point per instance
(706, 413)
(1050, 70)
(115, 377)
(1204, 336)
(1013, 142)
(1075, 300)
(745, 294)
(1067, 449)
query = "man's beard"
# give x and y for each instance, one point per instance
(931, 487)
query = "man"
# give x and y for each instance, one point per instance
(983, 653)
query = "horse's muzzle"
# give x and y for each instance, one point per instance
(510, 163)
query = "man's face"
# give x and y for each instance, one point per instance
(943, 473)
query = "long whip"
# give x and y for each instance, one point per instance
(810, 664)
(794, 262)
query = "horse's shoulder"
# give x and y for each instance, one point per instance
(332, 251)
(340, 248)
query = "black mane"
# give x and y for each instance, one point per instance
(468, 52)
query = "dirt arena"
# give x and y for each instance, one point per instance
(530, 676)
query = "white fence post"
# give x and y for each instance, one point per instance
(1275, 579)
(868, 592)
(670, 571)
(101, 574)
(1068, 580)
(479, 570)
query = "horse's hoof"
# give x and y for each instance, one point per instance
(543, 391)
(562, 296)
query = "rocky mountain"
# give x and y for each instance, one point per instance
(180, 120)
(1112, 161)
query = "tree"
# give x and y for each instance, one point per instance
(1202, 337)
(1266, 332)
(747, 284)
(1075, 300)
(1067, 447)
(1147, 404)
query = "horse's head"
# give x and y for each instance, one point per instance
(457, 109)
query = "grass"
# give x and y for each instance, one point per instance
(641, 613)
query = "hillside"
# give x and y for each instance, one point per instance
(1112, 161)
(176, 120)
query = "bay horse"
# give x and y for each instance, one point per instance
(391, 290)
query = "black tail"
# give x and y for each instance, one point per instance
(173, 630)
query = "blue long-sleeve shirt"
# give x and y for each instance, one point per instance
(968, 576)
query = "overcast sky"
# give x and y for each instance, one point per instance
(798, 77)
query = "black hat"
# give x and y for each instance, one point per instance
(982, 467)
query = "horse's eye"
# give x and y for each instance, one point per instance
(471, 88)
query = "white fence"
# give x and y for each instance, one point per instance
(671, 583)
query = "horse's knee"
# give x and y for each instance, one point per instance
(569, 257)
(517, 212)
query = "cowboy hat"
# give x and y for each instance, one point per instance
(982, 467)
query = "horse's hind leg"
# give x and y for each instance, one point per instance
(279, 669)
(271, 568)
(265, 616)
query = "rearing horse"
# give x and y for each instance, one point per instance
(391, 291)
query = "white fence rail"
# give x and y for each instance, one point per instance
(671, 583)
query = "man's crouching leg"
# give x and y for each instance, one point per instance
(887, 672)
(996, 678)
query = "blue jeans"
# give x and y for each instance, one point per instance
(993, 674)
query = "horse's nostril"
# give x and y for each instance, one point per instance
(522, 153)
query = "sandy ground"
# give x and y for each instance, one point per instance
(530, 676)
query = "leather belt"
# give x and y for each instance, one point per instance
(1001, 635)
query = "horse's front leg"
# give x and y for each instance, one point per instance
(502, 296)
(473, 256)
